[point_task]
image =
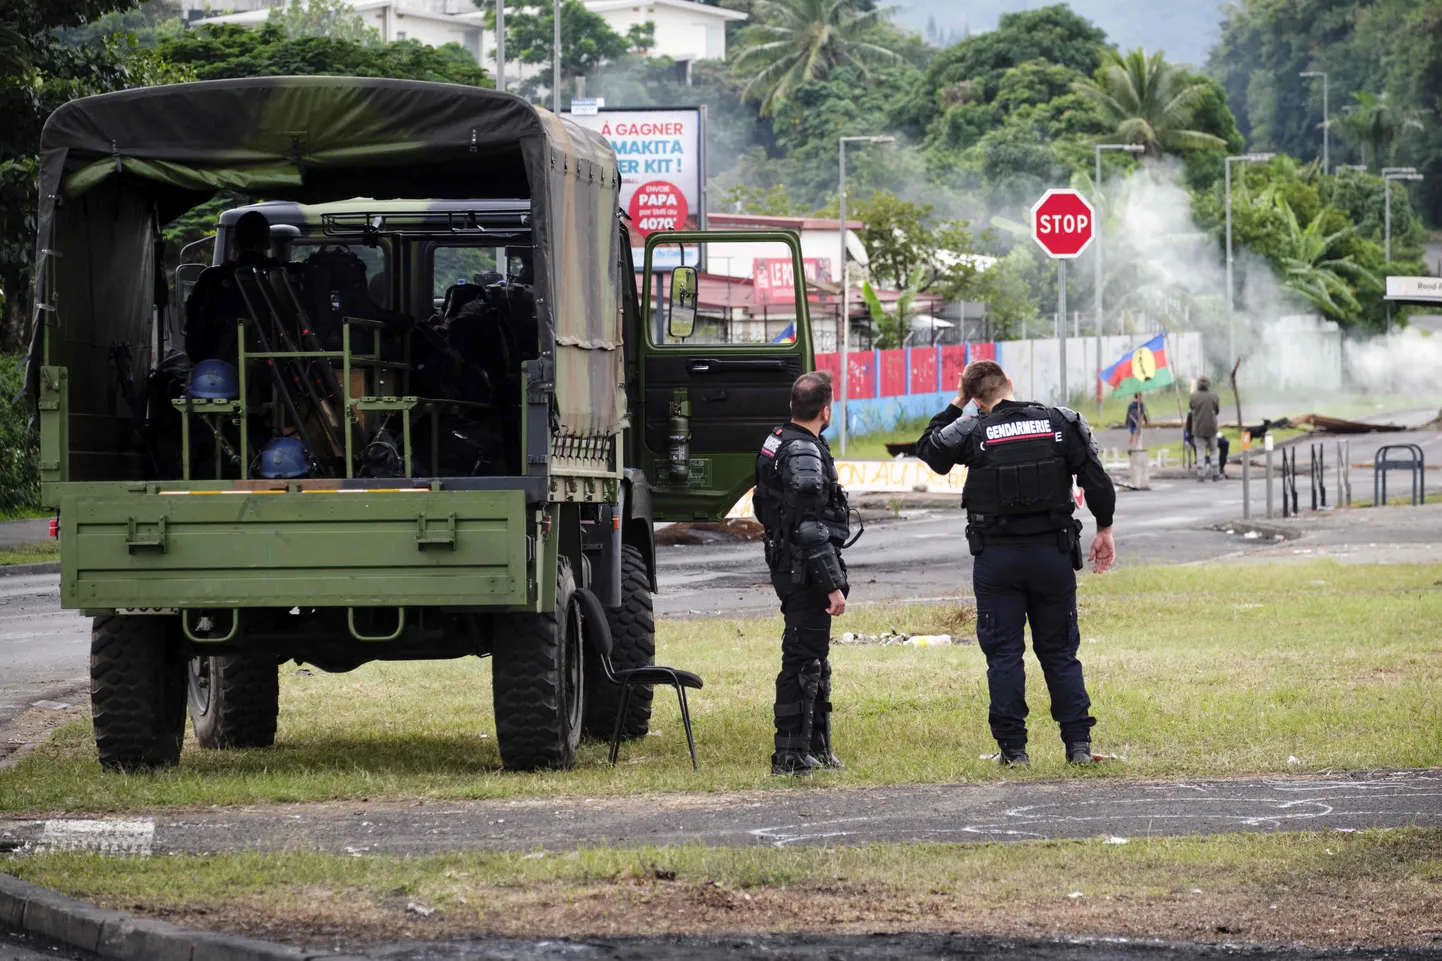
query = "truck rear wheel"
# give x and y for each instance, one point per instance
(633, 638)
(137, 693)
(537, 683)
(234, 701)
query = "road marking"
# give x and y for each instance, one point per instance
(111, 836)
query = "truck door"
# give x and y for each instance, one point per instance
(725, 331)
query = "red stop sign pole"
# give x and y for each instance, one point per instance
(1062, 224)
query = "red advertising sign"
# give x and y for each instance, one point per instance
(1062, 224)
(658, 205)
(775, 280)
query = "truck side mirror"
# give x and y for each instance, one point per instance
(681, 318)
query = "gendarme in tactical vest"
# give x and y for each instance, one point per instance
(1018, 485)
(802, 505)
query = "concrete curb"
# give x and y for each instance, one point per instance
(43, 913)
(18, 570)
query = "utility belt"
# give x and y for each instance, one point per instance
(1067, 535)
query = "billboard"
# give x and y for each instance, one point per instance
(661, 155)
(775, 279)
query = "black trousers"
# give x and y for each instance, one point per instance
(1016, 584)
(807, 636)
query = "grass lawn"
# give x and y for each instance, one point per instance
(30, 553)
(1368, 888)
(1205, 670)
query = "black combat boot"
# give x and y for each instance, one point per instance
(1013, 756)
(1079, 752)
(821, 723)
(794, 725)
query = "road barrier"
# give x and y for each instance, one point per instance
(1289, 482)
(1318, 478)
(1344, 473)
(1383, 462)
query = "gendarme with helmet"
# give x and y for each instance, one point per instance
(1021, 457)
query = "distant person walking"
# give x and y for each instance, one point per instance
(1137, 418)
(1205, 406)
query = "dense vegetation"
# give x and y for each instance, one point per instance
(983, 126)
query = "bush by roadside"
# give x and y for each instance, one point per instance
(19, 470)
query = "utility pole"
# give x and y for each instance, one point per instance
(500, 44)
(843, 323)
(556, 60)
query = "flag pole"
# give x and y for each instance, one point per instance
(1176, 390)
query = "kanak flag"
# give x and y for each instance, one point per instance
(1141, 368)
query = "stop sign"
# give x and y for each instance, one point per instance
(1062, 224)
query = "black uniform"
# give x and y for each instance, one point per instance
(1018, 497)
(803, 508)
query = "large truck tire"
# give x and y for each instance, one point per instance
(137, 693)
(537, 683)
(633, 639)
(234, 701)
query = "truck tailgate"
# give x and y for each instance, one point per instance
(312, 549)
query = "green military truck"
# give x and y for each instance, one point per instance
(448, 323)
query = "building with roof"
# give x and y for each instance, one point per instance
(686, 31)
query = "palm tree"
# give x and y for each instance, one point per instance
(1148, 101)
(1311, 267)
(795, 41)
(1373, 123)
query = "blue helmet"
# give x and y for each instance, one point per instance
(214, 380)
(284, 458)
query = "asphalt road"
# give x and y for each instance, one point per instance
(811, 947)
(44, 651)
(958, 813)
(866, 947)
(923, 556)
(20, 948)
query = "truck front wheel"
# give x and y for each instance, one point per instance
(234, 701)
(137, 693)
(537, 681)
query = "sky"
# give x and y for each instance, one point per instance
(1185, 29)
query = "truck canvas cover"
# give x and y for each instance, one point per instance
(115, 168)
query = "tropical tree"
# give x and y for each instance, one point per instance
(323, 18)
(587, 40)
(796, 41)
(1148, 101)
(1312, 265)
(1374, 122)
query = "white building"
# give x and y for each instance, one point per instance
(686, 31)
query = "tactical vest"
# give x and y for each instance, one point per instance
(768, 501)
(1018, 483)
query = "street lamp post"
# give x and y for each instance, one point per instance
(1326, 121)
(1390, 174)
(556, 59)
(1131, 148)
(500, 44)
(1243, 158)
(843, 322)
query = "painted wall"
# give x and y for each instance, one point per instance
(887, 387)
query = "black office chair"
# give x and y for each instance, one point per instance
(598, 633)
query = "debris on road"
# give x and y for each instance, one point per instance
(734, 530)
(895, 638)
